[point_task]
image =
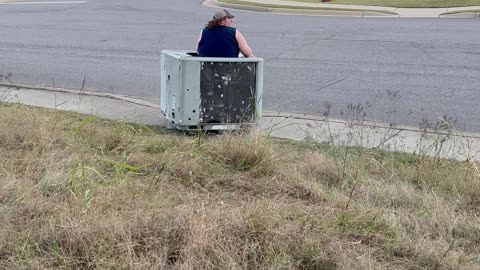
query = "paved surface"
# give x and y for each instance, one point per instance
(399, 70)
(461, 146)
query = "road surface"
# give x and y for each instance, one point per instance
(399, 70)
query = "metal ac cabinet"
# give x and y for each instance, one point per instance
(210, 93)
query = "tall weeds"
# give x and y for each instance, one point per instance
(78, 192)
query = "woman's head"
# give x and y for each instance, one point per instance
(221, 17)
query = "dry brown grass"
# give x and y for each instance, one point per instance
(83, 193)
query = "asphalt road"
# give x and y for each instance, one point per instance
(400, 70)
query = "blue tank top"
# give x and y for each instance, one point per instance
(218, 42)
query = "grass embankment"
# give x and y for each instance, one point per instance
(82, 193)
(393, 3)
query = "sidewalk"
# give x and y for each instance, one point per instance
(328, 9)
(311, 128)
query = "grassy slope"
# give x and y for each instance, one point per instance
(398, 3)
(81, 193)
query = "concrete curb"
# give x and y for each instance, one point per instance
(266, 113)
(300, 11)
(213, 3)
(318, 9)
(463, 14)
(366, 124)
(80, 92)
(299, 127)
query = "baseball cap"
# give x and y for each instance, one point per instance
(222, 13)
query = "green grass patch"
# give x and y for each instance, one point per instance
(79, 192)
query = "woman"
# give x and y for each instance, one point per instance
(220, 39)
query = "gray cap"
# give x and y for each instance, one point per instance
(222, 13)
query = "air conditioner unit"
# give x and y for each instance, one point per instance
(210, 93)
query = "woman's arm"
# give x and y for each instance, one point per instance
(243, 45)
(199, 38)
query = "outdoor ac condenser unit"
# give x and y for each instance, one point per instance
(210, 93)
